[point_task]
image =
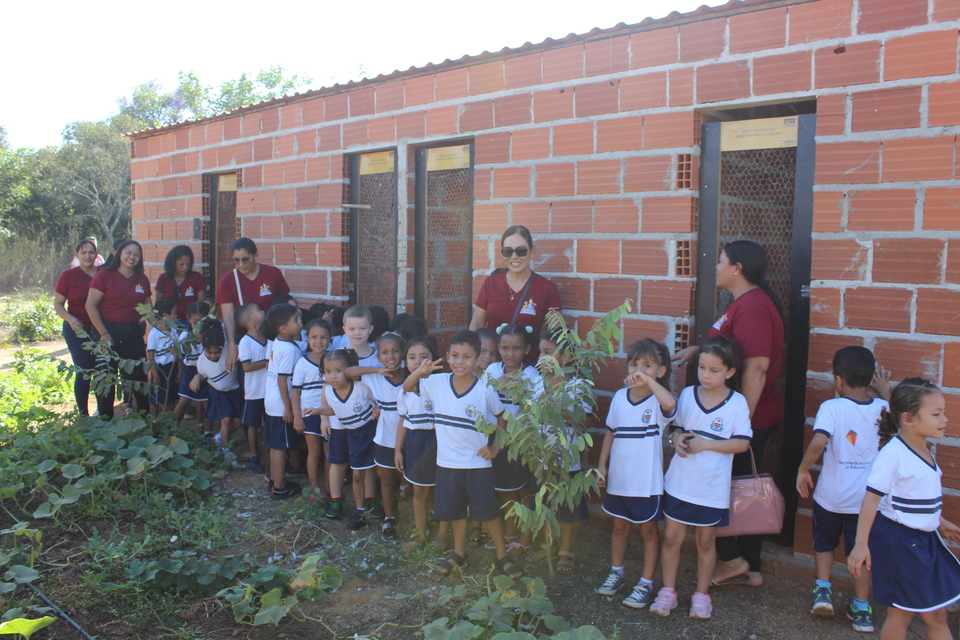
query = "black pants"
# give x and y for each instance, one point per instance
(128, 344)
(82, 359)
(747, 547)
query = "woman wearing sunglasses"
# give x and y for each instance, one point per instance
(515, 294)
(248, 281)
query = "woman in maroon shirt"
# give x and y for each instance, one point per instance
(515, 291)
(754, 321)
(115, 292)
(179, 282)
(69, 302)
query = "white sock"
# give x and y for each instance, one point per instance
(617, 569)
(645, 582)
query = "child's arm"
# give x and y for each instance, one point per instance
(323, 410)
(285, 396)
(425, 369)
(152, 371)
(604, 457)
(695, 444)
(195, 382)
(667, 402)
(861, 551)
(490, 451)
(813, 453)
(881, 382)
(356, 372)
(949, 530)
(253, 366)
(297, 411)
(398, 449)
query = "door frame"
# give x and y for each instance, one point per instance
(353, 286)
(798, 335)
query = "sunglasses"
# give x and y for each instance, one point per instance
(506, 252)
(244, 260)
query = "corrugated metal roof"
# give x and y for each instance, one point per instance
(733, 7)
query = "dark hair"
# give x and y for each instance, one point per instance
(753, 265)
(318, 322)
(206, 324)
(515, 230)
(391, 335)
(336, 320)
(245, 244)
(413, 327)
(114, 263)
(427, 341)
(855, 366)
(529, 334)
(163, 307)
(213, 338)
(650, 348)
(284, 299)
(346, 356)
(906, 398)
(468, 338)
(201, 309)
(380, 320)
(359, 311)
(279, 315)
(240, 316)
(551, 335)
(728, 353)
(86, 241)
(117, 243)
(170, 262)
(397, 321)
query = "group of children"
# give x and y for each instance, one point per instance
(387, 410)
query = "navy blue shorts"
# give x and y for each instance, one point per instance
(828, 526)
(509, 475)
(634, 509)
(565, 514)
(252, 413)
(460, 492)
(694, 514)
(384, 456)
(188, 373)
(278, 434)
(338, 450)
(420, 457)
(224, 404)
(354, 446)
(166, 389)
(311, 425)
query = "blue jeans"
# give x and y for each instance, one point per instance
(82, 359)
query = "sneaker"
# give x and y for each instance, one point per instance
(389, 530)
(665, 603)
(216, 438)
(374, 508)
(862, 618)
(641, 596)
(288, 490)
(700, 607)
(334, 509)
(254, 465)
(357, 521)
(611, 585)
(822, 601)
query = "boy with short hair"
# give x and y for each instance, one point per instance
(278, 433)
(252, 355)
(357, 326)
(847, 428)
(464, 454)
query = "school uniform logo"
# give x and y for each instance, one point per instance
(357, 407)
(472, 412)
(719, 322)
(529, 308)
(188, 293)
(647, 415)
(717, 425)
(852, 437)
(138, 288)
(264, 290)
(428, 405)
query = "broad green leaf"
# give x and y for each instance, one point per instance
(25, 627)
(514, 635)
(72, 471)
(11, 491)
(142, 441)
(46, 510)
(136, 466)
(114, 444)
(273, 607)
(21, 574)
(170, 478)
(46, 466)
(176, 445)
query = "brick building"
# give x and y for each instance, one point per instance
(827, 130)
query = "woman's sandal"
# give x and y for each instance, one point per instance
(517, 550)
(565, 562)
(477, 537)
(538, 555)
(509, 569)
(453, 561)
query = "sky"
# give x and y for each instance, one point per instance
(66, 61)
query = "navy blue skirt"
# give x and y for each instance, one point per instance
(224, 404)
(694, 514)
(634, 509)
(912, 570)
(186, 375)
(509, 475)
(420, 457)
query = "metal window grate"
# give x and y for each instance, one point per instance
(684, 171)
(685, 259)
(374, 180)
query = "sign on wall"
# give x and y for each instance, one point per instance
(446, 158)
(380, 162)
(766, 133)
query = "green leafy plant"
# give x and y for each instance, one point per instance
(25, 627)
(37, 379)
(32, 319)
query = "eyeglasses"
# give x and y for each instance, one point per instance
(506, 252)
(244, 259)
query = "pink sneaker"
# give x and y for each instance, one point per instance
(665, 603)
(700, 606)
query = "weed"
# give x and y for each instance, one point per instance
(31, 319)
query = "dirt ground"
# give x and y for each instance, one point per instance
(56, 348)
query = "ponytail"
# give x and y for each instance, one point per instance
(905, 399)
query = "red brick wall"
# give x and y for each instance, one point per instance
(583, 145)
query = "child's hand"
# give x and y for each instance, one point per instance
(376, 412)
(489, 452)
(298, 425)
(388, 371)
(288, 415)
(859, 557)
(195, 384)
(693, 443)
(506, 377)
(325, 427)
(602, 480)
(311, 411)
(638, 379)
(398, 460)
(881, 382)
(152, 376)
(427, 367)
(949, 531)
(804, 484)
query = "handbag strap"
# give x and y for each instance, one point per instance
(236, 278)
(523, 295)
(753, 462)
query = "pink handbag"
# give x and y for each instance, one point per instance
(756, 505)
